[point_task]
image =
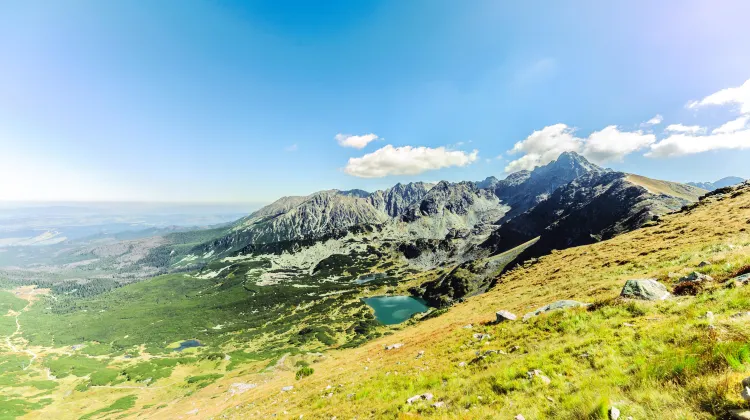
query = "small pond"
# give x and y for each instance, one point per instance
(187, 344)
(391, 310)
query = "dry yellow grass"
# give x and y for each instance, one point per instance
(593, 359)
(674, 189)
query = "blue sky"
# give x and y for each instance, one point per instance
(242, 101)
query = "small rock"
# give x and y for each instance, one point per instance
(703, 264)
(519, 417)
(426, 396)
(350, 396)
(740, 315)
(287, 388)
(743, 279)
(745, 393)
(695, 277)
(502, 316)
(627, 324)
(536, 373)
(420, 354)
(614, 413)
(560, 304)
(394, 346)
(740, 414)
(240, 387)
(462, 364)
(746, 382)
(644, 289)
(481, 337)
(550, 399)
(468, 327)
(439, 404)
(709, 316)
(514, 349)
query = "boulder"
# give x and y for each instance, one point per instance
(504, 315)
(560, 304)
(692, 284)
(644, 289)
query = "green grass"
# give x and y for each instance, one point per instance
(304, 371)
(11, 408)
(9, 302)
(76, 365)
(122, 404)
(154, 369)
(202, 381)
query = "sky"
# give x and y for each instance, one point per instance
(247, 101)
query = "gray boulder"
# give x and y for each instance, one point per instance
(644, 289)
(505, 316)
(695, 277)
(744, 279)
(560, 304)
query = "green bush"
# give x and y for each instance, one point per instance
(305, 371)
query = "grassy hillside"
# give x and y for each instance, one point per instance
(651, 360)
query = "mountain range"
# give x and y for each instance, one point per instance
(723, 182)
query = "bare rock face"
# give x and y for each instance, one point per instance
(593, 207)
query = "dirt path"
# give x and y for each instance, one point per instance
(30, 294)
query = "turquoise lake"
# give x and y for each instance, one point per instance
(391, 310)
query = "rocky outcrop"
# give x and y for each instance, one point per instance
(591, 208)
(644, 289)
(523, 190)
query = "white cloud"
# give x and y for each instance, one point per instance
(732, 126)
(357, 142)
(545, 145)
(406, 160)
(656, 120)
(612, 144)
(291, 148)
(683, 144)
(736, 95)
(679, 128)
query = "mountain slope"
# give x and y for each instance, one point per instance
(594, 207)
(589, 356)
(524, 189)
(723, 182)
